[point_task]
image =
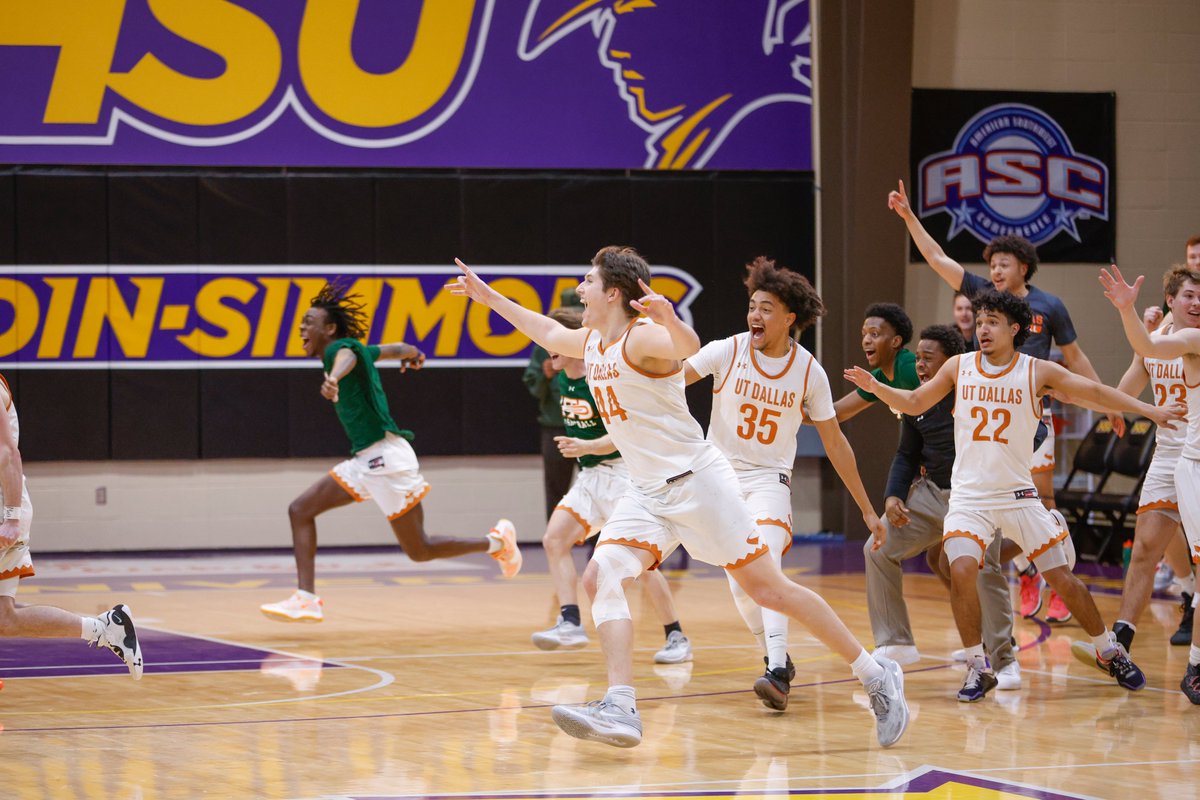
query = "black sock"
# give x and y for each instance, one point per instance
(570, 614)
(1124, 634)
(674, 626)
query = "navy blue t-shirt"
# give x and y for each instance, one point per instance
(1051, 322)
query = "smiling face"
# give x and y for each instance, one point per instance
(879, 341)
(316, 331)
(995, 332)
(1185, 305)
(593, 298)
(930, 358)
(770, 324)
(1007, 273)
(964, 315)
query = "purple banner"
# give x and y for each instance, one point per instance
(201, 317)
(607, 84)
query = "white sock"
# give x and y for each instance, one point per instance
(865, 668)
(1105, 644)
(976, 658)
(494, 543)
(776, 627)
(1194, 654)
(92, 628)
(623, 697)
(1187, 583)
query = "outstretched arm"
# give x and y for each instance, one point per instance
(1096, 395)
(841, 455)
(1123, 297)
(950, 270)
(850, 406)
(410, 356)
(914, 402)
(542, 329)
(571, 447)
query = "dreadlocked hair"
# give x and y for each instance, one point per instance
(346, 311)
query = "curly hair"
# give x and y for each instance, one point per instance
(1014, 309)
(893, 315)
(621, 267)
(1018, 247)
(792, 289)
(948, 337)
(1175, 276)
(346, 311)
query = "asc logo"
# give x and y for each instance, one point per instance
(1013, 171)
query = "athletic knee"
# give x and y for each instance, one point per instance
(589, 579)
(8, 618)
(964, 569)
(612, 566)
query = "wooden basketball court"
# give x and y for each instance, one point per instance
(422, 681)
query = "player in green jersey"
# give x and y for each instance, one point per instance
(382, 465)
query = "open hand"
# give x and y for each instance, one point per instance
(1168, 416)
(1118, 292)
(469, 285)
(862, 379)
(878, 530)
(654, 305)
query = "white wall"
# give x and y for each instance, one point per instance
(1148, 52)
(174, 505)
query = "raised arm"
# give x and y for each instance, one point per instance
(912, 402)
(1123, 297)
(1049, 375)
(671, 339)
(950, 270)
(538, 327)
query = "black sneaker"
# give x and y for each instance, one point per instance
(976, 686)
(1123, 669)
(1191, 683)
(773, 687)
(1124, 635)
(1183, 636)
(789, 666)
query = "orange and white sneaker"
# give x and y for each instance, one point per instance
(509, 555)
(300, 607)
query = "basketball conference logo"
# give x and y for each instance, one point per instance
(1012, 170)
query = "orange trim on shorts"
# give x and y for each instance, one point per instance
(338, 480)
(729, 371)
(984, 373)
(1061, 535)
(23, 571)
(967, 535)
(744, 560)
(652, 549)
(761, 371)
(1158, 505)
(409, 507)
(575, 515)
(1046, 468)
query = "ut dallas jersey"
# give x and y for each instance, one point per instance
(995, 419)
(1166, 381)
(759, 403)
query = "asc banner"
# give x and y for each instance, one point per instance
(209, 317)
(1036, 164)
(609, 84)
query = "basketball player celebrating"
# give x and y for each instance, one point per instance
(382, 465)
(765, 386)
(1012, 262)
(682, 489)
(1183, 343)
(587, 505)
(996, 413)
(113, 629)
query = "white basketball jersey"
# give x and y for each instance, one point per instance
(759, 403)
(995, 418)
(646, 415)
(1166, 381)
(1191, 444)
(10, 408)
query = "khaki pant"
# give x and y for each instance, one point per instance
(927, 505)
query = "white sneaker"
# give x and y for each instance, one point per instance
(564, 635)
(296, 608)
(509, 555)
(677, 649)
(887, 702)
(600, 721)
(900, 653)
(1008, 678)
(120, 636)
(960, 655)
(1164, 576)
